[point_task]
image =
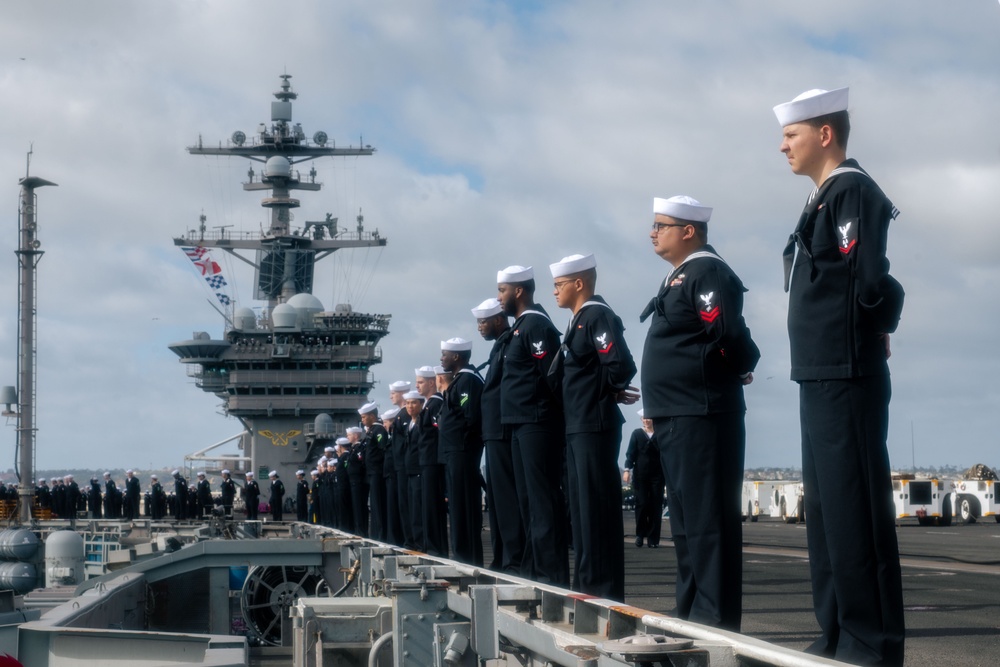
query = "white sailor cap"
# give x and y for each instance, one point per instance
(389, 414)
(682, 207)
(488, 308)
(456, 345)
(65, 477)
(413, 396)
(314, 473)
(424, 372)
(249, 474)
(368, 407)
(153, 477)
(175, 473)
(401, 386)
(343, 441)
(515, 274)
(439, 370)
(225, 471)
(355, 429)
(322, 460)
(567, 266)
(129, 471)
(54, 479)
(812, 104)
(107, 474)
(201, 474)
(328, 448)
(273, 473)
(300, 472)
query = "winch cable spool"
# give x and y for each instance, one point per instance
(270, 591)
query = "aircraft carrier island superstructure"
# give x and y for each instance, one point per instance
(295, 374)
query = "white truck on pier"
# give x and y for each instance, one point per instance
(923, 499)
(974, 496)
(938, 502)
(773, 498)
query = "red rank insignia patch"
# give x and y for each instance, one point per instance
(538, 352)
(848, 237)
(709, 311)
(603, 344)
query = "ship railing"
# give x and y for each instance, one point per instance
(355, 321)
(196, 236)
(296, 405)
(303, 377)
(301, 351)
(438, 608)
(502, 617)
(339, 427)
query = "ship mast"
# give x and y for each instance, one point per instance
(285, 259)
(28, 255)
(296, 376)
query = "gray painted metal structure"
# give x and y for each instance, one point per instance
(277, 372)
(28, 255)
(400, 607)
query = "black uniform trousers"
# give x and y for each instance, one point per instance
(343, 506)
(313, 513)
(506, 527)
(393, 521)
(702, 458)
(433, 511)
(359, 504)
(253, 508)
(853, 553)
(595, 495)
(648, 492)
(403, 509)
(465, 506)
(328, 503)
(414, 494)
(496, 542)
(376, 498)
(537, 455)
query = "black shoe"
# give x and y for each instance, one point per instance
(653, 546)
(638, 541)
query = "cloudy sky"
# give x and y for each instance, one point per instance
(507, 133)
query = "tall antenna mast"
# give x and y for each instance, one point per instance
(28, 255)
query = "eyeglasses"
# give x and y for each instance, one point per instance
(658, 226)
(559, 285)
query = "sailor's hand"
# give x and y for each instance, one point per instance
(628, 396)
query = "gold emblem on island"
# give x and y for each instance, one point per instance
(280, 439)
